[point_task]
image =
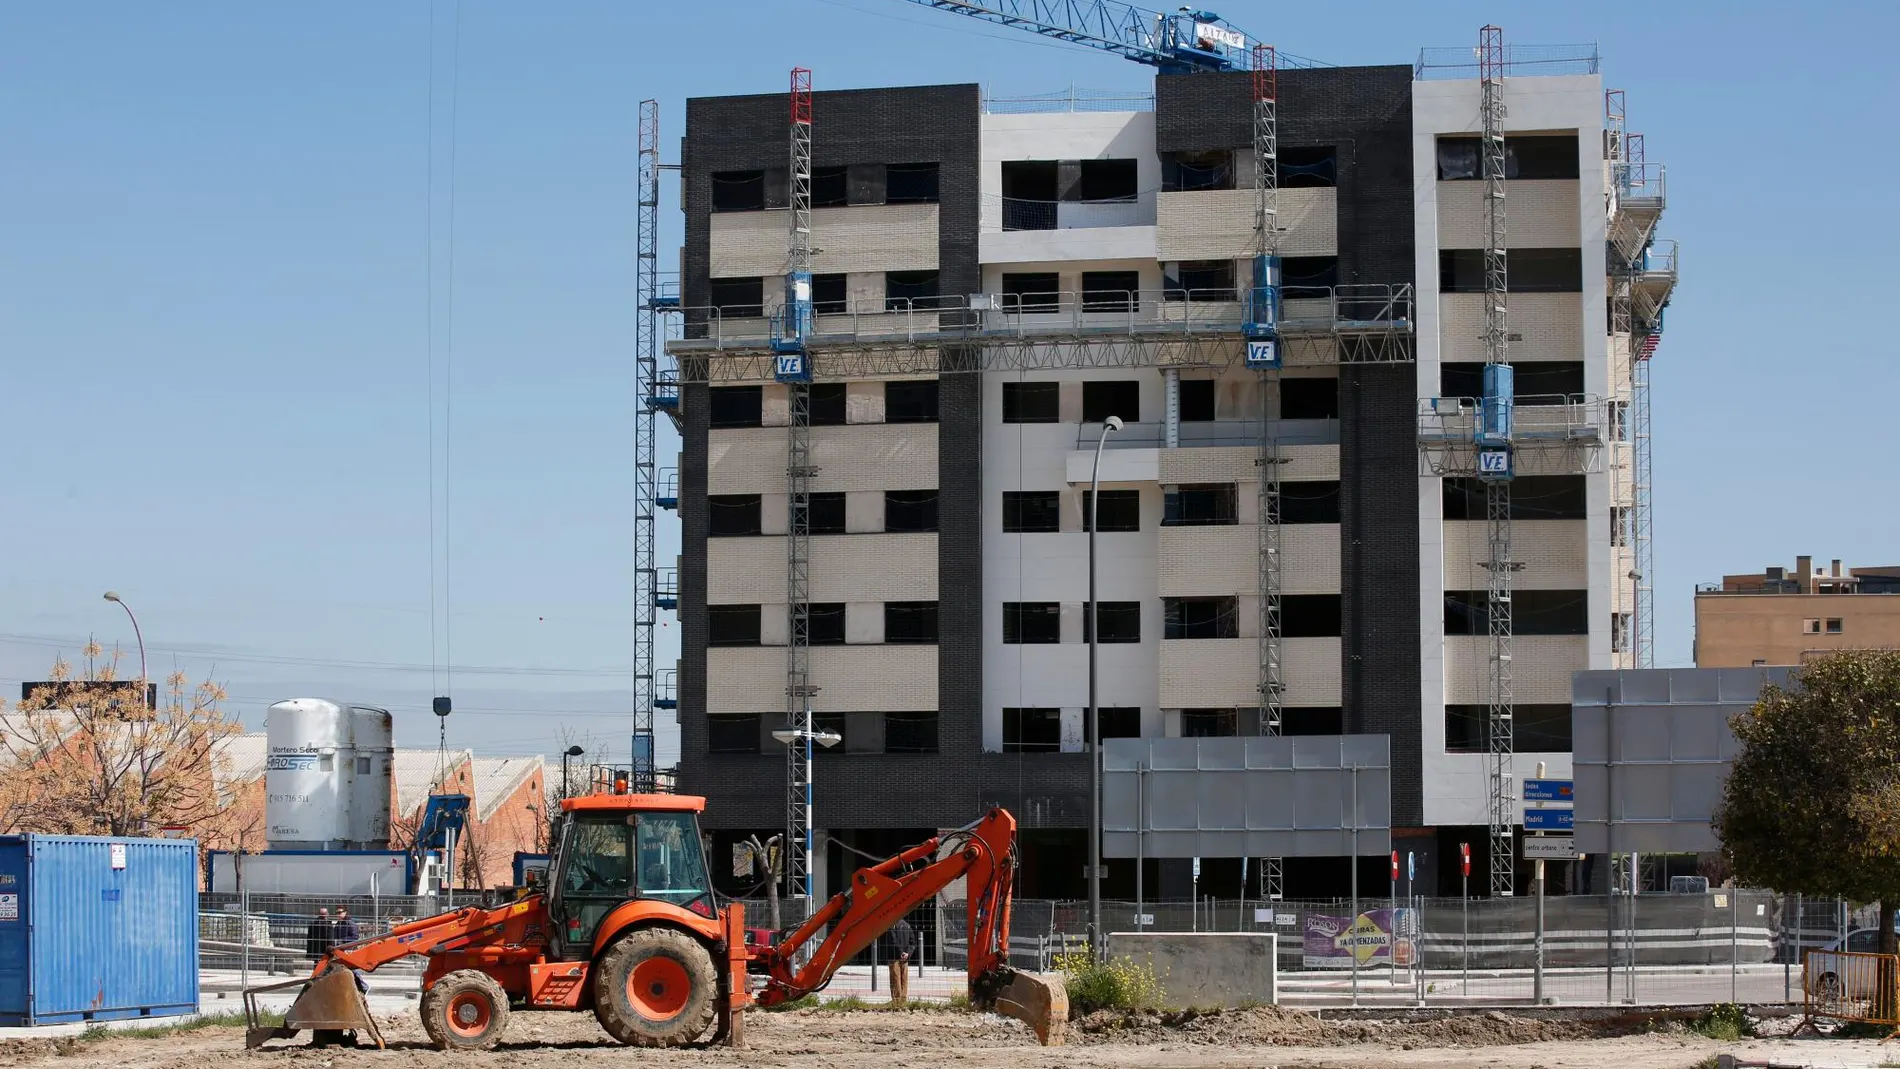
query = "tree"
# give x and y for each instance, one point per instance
(88, 756)
(1809, 806)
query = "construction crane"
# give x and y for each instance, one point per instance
(1186, 42)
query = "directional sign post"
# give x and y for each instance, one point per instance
(1549, 820)
(1550, 790)
(1541, 848)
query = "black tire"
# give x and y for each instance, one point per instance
(465, 1010)
(678, 989)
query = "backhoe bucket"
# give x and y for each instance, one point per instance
(328, 1006)
(1039, 1000)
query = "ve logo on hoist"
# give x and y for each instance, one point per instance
(1263, 355)
(791, 367)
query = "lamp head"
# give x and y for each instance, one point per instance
(1113, 423)
(112, 595)
(575, 751)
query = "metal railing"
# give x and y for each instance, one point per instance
(1640, 181)
(1212, 434)
(1548, 418)
(1098, 312)
(1520, 61)
(1070, 99)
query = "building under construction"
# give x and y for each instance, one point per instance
(1376, 338)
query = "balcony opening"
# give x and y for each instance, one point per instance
(1105, 181)
(1315, 501)
(1120, 620)
(738, 191)
(1110, 291)
(830, 187)
(734, 406)
(830, 295)
(1102, 398)
(1032, 511)
(1620, 632)
(1199, 618)
(1308, 277)
(910, 401)
(1200, 280)
(1533, 497)
(1191, 172)
(910, 732)
(1313, 167)
(912, 623)
(1032, 402)
(824, 623)
(1117, 723)
(910, 511)
(1032, 292)
(1205, 505)
(1304, 398)
(1029, 194)
(1032, 731)
(1535, 728)
(908, 290)
(1619, 525)
(1309, 616)
(1539, 379)
(1528, 270)
(1533, 612)
(1031, 623)
(1312, 720)
(1530, 156)
(732, 515)
(1210, 723)
(739, 298)
(1119, 511)
(1197, 400)
(733, 733)
(910, 183)
(825, 516)
(824, 405)
(732, 625)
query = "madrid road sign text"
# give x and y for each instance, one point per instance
(1549, 819)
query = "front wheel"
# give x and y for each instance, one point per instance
(656, 988)
(465, 1010)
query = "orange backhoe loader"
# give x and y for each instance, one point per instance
(629, 927)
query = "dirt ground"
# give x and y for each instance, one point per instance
(883, 1040)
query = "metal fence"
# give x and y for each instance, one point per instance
(1659, 949)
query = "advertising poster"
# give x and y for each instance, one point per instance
(1375, 937)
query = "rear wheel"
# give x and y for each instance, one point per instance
(656, 988)
(465, 1010)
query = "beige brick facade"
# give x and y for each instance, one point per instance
(881, 237)
(1225, 672)
(751, 460)
(1543, 326)
(1539, 214)
(1541, 667)
(851, 679)
(1224, 560)
(1219, 224)
(864, 568)
(1555, 554)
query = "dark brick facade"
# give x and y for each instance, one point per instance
(860, 129)
(1366, 114)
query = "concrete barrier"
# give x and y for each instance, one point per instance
(1204, 970)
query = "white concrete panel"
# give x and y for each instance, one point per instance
(1118, 466)
(863, 622)
(863, 511)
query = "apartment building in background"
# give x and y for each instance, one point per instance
(948, 550)
(1783, 616)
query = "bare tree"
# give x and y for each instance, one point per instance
(86, 755)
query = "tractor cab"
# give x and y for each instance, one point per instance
(620, 847)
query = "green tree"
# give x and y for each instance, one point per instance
(1810, 805)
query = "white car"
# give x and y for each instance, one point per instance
(1828, 966)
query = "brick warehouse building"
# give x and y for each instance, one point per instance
(948, 550)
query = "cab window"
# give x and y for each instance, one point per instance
(672, 865)
(600, 860)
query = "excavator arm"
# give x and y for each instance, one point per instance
(983, 854)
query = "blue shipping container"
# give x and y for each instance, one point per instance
(97, 929)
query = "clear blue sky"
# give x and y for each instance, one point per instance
(215, 310)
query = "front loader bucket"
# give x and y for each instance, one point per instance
(328, 1006)
(1039, 1000)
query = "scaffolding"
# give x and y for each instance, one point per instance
(654, 395)
(1266, 152)
(791, 367)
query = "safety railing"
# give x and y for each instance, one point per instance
(1640, 180)
(1520, 61)
(1554, 418)
(1848, 986)
(1071, 99)
(1211, 434)
(1366, 307)
(1660, 259)
(1022, 213)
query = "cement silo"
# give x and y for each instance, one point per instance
(327, 776)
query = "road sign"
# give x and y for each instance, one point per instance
(1395, 866)
(1549, 819)
(1549, 790)
(1550, 847)
(1411, 869)
(1464, 858)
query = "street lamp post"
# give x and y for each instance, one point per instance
(113, 596)
(802, 737)
(1094, 726)
(572, 751)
